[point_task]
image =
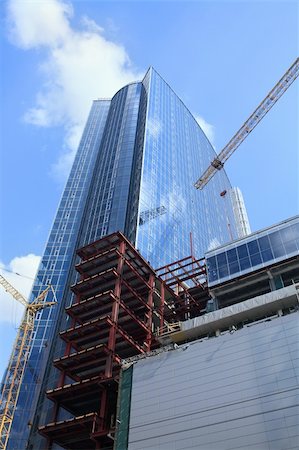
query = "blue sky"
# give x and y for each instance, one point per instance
(221, 58)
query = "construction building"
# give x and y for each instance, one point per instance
(134, 171)
(133, 176)
(198, 354)
(227, 379)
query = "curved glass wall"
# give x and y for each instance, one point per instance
(176, 152)
(107, 207)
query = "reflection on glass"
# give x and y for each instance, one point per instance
(223, 271)
(221, 259)
(244, 263)
(232, 255)
(262, 249)
(275, 239)
(267, 255)
(264, 243)
(234, 267)
(242, 251)
(253, 247)
(256, 259)
(175, 152)
(278, 251)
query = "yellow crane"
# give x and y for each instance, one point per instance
(19, 357)
(265, 106)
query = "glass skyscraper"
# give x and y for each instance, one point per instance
(242, 222)
(134, 171)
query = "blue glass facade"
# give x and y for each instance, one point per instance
(258, 250)
(175, 152)
(139, 156)
(55, 266)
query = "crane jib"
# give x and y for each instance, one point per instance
(265, 106)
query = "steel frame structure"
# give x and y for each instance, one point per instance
(117, 308)
(121, 307)
(188, 279)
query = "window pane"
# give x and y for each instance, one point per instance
(253, 247)
(231, 255)
(211, 263)
(288, 234)
(267, 255)
(275, 239)
(234, 267)
(295, 230)
(244, 263)
(242, 251)
(264, 242)
(223, 271)
(256, 259)
(278, 251)
(290, 246)
(213, 275)
(221, 259)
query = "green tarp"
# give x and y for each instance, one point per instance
(124, 404)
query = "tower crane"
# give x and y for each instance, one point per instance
(265, 106)
(15, 371)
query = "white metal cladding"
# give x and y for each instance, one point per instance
(236, 391)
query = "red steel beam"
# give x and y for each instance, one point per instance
(115, 308)
(148, 340)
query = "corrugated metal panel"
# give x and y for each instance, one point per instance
(237, 391)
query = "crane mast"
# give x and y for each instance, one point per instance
(17, 363)
(265, 106)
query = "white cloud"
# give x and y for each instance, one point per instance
(79, 65)
(10, 309)
(38, 23)
(207, 128)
